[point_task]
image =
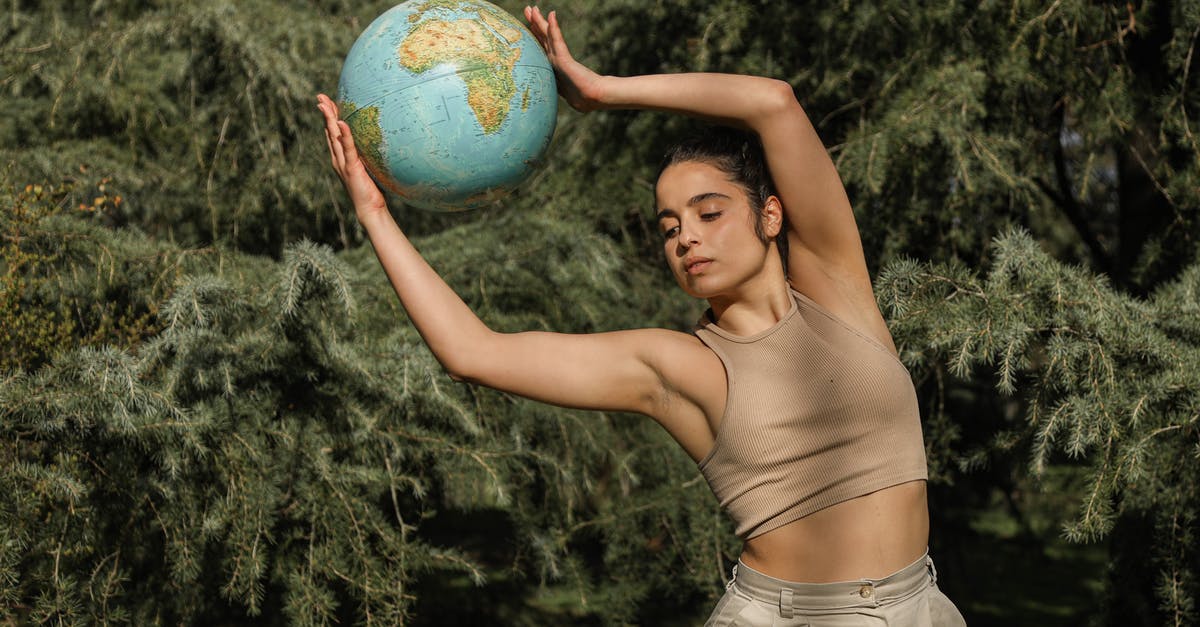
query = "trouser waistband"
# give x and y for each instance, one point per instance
(794, 596)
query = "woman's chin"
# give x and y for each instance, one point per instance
(700, 287)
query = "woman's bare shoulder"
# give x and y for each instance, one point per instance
(693, 385)
(669, 344)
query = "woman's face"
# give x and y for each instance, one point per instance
(707, 226)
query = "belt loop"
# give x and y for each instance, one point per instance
(785, 603)
(932, 570)
(732, 577)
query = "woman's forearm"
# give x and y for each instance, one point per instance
(747, 101)
(452, 331)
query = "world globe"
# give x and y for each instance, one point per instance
(452, 103)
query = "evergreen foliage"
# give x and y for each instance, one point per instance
(213, 410)
(1105, 378)
(259, 457)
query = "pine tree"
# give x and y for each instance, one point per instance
(1106, 379)
(214, 410)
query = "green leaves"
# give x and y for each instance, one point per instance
(1106, 377)
(310, 272)
(213, 406)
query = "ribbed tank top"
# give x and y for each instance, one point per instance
(817, 413)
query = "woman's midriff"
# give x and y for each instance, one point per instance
(868, 537)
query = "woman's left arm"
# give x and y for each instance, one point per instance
(823, 235)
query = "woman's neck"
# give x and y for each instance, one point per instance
(755, 306)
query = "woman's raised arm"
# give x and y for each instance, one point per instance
(822, 232)
(615, 371)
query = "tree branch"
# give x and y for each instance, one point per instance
(1065, 199)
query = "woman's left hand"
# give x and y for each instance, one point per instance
(577, 84)
(343, 154)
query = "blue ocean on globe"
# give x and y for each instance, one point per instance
(452, 103)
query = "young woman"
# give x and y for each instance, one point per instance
(788, 395)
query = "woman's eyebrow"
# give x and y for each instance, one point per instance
(694, 200)
(699, 198)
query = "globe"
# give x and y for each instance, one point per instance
(452, 103)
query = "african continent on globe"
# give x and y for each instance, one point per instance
(451, 102)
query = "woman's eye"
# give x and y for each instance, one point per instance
(712, 215)
(669, 233)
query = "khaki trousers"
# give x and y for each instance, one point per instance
(906, 598)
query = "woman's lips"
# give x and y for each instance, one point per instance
(697, 266)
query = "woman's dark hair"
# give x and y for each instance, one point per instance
(739, 155)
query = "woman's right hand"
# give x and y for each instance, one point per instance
(577, 84)
(363, 192)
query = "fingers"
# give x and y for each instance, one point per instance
(333, 133)
(349, 150)
(534, 15)
(556, 36)
(539, 26)
(323, 99)
(332, 154)
(346, 163)
(548, 33)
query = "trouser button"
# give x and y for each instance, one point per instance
(866, 591)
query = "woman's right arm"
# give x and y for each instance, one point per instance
(613, 371)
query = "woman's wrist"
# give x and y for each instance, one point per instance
(604, 91)
(373, 216)
(627, 92)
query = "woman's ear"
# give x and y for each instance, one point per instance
(772, 217)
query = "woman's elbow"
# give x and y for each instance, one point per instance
(460, 370)
(473, 361)
(466, 359)
(779, 97)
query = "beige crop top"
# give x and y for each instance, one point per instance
(816, 414)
